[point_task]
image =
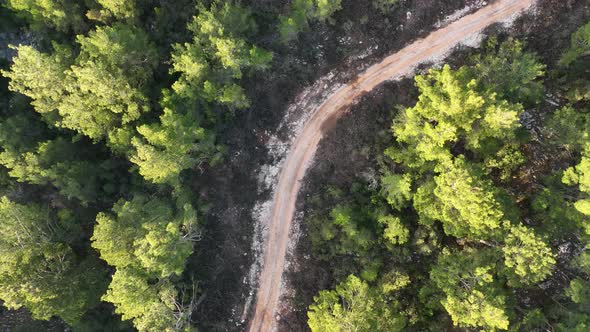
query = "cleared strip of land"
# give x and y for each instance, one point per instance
(436, 45)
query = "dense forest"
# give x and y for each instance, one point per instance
(112, 114)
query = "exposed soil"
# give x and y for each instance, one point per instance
(347, 152)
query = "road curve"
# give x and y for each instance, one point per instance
(437, 44)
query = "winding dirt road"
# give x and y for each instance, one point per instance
(436, 45)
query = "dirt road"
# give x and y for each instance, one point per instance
(436, 45)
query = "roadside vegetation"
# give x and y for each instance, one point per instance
(480, 218)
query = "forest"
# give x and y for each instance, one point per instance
(119, 119)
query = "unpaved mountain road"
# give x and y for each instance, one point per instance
(436, 45)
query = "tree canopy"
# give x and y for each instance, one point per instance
(146, 240)
(209, 69)
(303, 11)
(39, 268)
(146, 234)
(353, 306)
(97, 92)
(61, 15)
